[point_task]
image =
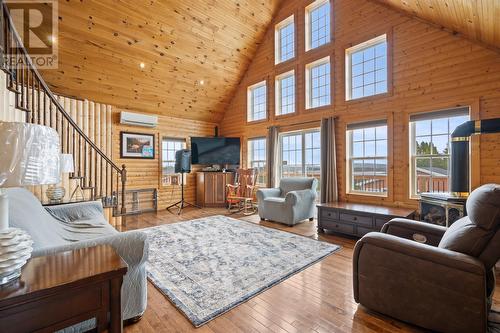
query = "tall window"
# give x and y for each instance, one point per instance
(285, 93)
(318, 83)
(168, 148)
(300, 154)
(257, 158)
(317, 24)
(285, 40)
(367, 157)
(257, 101)
(430, 148)
(366, 68)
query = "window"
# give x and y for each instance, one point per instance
(257, 158)
(285, 93)
(430, 148)
(257, 102)
(168, 148)
(317, 24)
(300, 154)
(318, 83)
(366, 68)
(285, 40)
(367, 158)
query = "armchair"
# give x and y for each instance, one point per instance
(291, 203)
(445, 280)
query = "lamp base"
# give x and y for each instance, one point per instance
(15, 250)
(10, 277)
(55, 193)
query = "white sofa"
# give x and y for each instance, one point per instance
(73, 226)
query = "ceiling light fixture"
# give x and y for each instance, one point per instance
(202, 82)
(142, 65)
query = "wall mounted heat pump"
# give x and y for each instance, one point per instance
(138, 119)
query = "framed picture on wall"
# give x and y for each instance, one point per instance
(137, 145)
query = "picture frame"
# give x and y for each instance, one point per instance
(137, 145)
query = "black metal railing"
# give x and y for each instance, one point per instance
(95, 171)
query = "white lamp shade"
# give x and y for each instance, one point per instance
(67, 164)
(29, 155)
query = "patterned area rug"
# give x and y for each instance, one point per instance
(210, 265)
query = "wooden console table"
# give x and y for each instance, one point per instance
(357, 219)
(60, 290)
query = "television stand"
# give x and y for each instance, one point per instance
(211, 188)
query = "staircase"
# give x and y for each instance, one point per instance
(95, 172)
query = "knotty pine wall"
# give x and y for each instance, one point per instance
(93, 118)
(431, 70)
(143, 173)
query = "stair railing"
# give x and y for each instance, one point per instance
(94, 171)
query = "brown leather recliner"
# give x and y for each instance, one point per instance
(444, 285)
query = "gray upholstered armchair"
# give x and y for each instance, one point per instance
(291, 203)
(444, 284)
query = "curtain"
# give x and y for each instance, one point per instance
(329, 191)
(272, 156)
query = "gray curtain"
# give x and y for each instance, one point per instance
(329, 192)
(272, 155)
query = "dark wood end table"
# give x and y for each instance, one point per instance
(64, 289)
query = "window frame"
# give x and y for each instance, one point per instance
(308, 78)
(349, 158)
(303, 151)
(250, 105)
(163, 175)
(307, 23)
(349, 51)
(250, 159)
(277, 94)
(277, 39)
(412, 147)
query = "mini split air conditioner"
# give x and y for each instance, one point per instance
(138, 119)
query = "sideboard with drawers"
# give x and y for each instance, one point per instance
(357, 219)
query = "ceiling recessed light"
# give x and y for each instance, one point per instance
(142, 65)
(202, 82)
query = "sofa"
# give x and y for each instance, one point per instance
(291, 203)
(73, 226)
(444, 282)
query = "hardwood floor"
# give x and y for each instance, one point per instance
(318, 299)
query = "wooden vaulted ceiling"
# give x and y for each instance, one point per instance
(182, 42)
(475, 19)
(194, 52)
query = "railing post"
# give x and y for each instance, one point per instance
(124, 180)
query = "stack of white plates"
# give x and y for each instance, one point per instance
(15, 250)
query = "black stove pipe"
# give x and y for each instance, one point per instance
(460, 152)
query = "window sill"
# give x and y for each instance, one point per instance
(369, 98)
(319, 108)
(252, 122)
(369, 194)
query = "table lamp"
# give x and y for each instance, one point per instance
(56, 193)
(29, 156)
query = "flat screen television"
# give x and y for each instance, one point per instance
(218, 150)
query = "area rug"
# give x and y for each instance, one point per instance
(210, 265)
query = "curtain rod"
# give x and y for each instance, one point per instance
(303, 123)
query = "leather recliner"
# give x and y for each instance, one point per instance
(445, 284)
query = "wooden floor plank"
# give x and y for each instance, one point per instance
(319, 299)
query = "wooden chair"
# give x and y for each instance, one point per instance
(240, 196)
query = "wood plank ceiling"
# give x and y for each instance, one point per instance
(475, 19)
(194, 52)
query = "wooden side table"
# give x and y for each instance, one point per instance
(64, 289)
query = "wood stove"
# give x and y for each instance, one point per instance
(446, 208)
(441, 208)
